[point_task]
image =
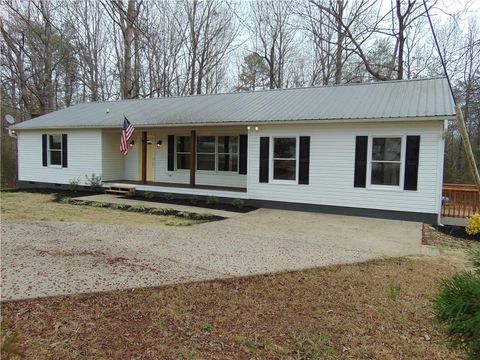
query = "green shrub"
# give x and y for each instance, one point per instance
(94, 181)
(394, 291)
(212, 200)
(67, 200)
(238, 203)
(118, 206)
(73, 184)
(168, 196)
(138, 208)
(193, 199)
(149, 195)
(458, 307)
(131, 192)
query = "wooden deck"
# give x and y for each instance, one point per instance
(460, 200)
(177, 185)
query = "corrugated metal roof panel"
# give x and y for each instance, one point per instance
(381, 100)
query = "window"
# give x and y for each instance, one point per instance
(206, 153)
(386, 161)
(55, 149)
(285, 159)
(227, 153)
(182, 147)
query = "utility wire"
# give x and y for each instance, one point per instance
(438, 50)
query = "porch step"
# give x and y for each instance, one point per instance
(119, 190)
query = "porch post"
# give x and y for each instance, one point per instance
(193, 149)
(144, 157)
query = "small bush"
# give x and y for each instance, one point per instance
(74, 184)
(67, 200)
(149, 195)
(94, 181)
(131, 192)
(138, 208)
(473, 227)
(458, 307)
(238, 203)
(193, 199)
(118, 206)
(212, 200)
(394, 291)
(168, 196)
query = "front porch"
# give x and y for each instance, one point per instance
(204, 162)
(181, 189)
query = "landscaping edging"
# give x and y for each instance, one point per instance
(142, 209)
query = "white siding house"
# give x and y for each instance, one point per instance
(365, 149)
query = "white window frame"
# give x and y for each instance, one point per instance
(398, 187)
(224, 153)
(57, 150)
(181, 152)
(272, 159)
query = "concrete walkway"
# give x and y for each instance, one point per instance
(118, 199)
(56, 258)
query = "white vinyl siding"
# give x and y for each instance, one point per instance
(84, 156)
(332, 157)
(112, 159)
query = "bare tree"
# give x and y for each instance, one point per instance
(273, 33)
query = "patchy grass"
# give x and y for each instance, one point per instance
(338, 312)
(42, 207)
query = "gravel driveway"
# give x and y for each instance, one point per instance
(54, 258)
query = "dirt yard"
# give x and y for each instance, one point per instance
(374, 310)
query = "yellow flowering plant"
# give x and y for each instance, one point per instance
(473, 227)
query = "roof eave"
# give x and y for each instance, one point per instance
(245, 123)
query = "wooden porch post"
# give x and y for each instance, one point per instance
(193, 148)
(144, 157)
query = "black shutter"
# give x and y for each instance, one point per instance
(411, 163)
(242, 161)
(304, 165)
(264, 150)
(44, 150)
(64, 151)
(360, 176)
(171, 152)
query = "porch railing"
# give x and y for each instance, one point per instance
(460, 200)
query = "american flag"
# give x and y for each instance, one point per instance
(127, 133)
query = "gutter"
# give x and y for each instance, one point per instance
(246, 123)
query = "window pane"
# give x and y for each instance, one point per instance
(55, 157)
(227, 144)
(386, 149)
(385, 174)
(183, 161)
(206, 144)
(227, 162)
(183, 143)
(284, 148)
(206, 161)
(284, 169)
(56, 141)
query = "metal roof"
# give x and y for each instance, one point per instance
(396, 100)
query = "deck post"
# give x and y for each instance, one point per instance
(144, 157)
(193, 148)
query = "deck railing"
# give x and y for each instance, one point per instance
(460, 200)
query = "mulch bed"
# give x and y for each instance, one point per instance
(197, 202)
